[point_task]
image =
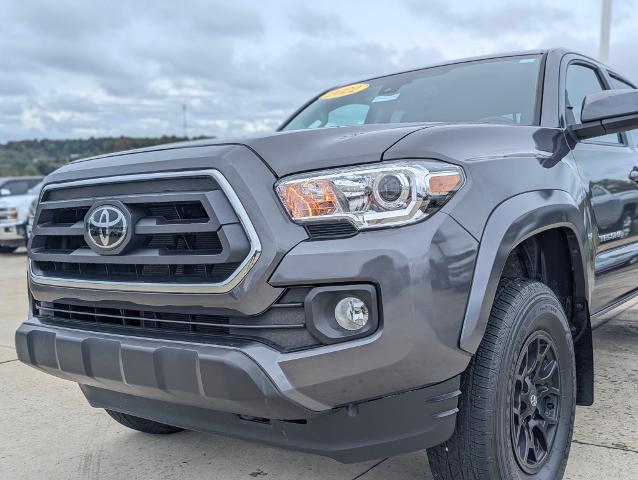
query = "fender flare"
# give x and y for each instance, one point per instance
(513, 221)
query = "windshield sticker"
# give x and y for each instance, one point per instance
(344, 91)
(527, 60)
(385, 98)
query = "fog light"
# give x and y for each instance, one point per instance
(351, 313)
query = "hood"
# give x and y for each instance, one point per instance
(303, 150)
(298, 151)
(289, 152)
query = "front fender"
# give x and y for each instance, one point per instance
(512, 222)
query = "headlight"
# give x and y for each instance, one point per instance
(371, 196)
(12, 214)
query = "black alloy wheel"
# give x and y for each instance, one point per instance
(535, 402)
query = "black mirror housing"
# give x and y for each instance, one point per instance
(611, 111)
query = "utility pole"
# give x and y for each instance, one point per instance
(605, 31)
(184, 121)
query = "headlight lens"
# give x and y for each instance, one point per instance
(12, 214)
(371, 196)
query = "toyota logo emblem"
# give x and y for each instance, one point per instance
(533, 399)
(106, 228)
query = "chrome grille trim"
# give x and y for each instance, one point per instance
(153, 287)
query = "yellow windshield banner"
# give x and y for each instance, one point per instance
(343, 91)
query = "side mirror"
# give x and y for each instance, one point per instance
(4, 192)
(611, 111)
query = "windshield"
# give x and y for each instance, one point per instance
(501, 90)
(36, 190)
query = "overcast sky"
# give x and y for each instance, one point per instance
(125, 67)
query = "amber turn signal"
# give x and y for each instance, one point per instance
(309, 198)
(12, 214)
(444, 183)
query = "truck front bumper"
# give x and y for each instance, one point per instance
(195, 386)
(12, 234)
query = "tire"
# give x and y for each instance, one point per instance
(4, 249)
(626, 222)
(142, 424)
(526, 318)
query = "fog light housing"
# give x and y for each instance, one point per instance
(339, 313)
(351, 313)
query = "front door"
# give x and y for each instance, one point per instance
(607, 162)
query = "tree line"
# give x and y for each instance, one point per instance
(41, 157)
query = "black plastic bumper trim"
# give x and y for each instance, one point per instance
(380, 428)
(208, 377)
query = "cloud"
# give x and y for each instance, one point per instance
(493, 18)
(13, 85)
(87, 67)
(623, 57)
(318, 66)
(316, 23)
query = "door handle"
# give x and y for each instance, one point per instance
(633, 175)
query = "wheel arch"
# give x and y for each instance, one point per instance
(552, 221)
(630, 207)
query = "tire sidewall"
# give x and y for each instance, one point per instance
(539, 312)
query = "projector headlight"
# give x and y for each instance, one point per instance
(386, 194)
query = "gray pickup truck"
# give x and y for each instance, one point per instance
(422, 274)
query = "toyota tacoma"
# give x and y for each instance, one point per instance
(412, 261)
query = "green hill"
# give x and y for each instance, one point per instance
(41, 157)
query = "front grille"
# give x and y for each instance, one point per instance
(134, 318)
(185, 231)
(282, 326)
(205, 242)
(193, 212)
(4, 214)
(100, 268)
(168, 212)
(168, 184)
(137, 272)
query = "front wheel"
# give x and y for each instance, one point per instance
(516, 411)
(142, 424)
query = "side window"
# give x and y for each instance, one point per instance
(617, 83)
(597, 191)
(582, 81)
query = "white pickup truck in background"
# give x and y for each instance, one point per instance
(16, 197)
